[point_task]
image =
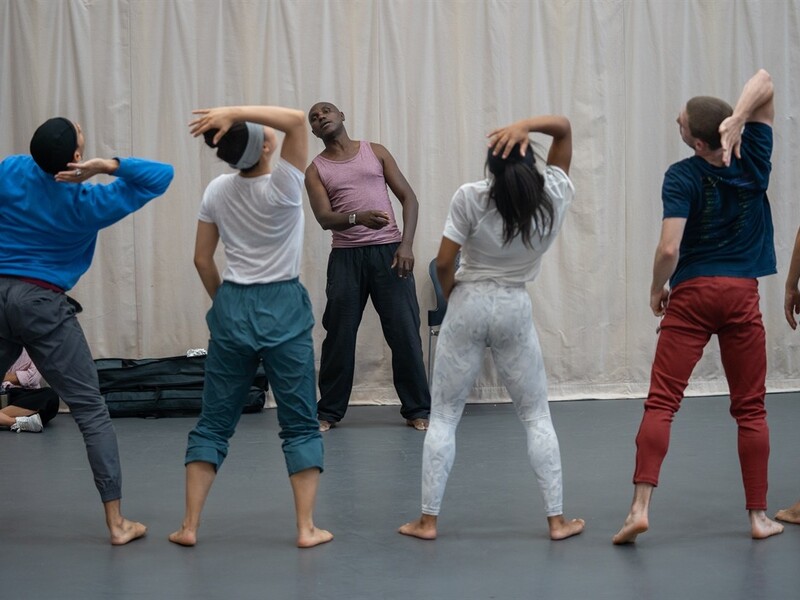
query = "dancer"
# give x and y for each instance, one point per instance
(260, 311)
(716, 239)
(30, 406)
(346, 186)
(504, 225)
(50, 219)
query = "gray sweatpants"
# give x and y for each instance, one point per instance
(44, 323)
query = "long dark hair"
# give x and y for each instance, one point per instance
(519, 194)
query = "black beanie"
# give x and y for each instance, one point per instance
(54, 144)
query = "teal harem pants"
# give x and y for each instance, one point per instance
(272, 323)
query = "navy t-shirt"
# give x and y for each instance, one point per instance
(728, 220)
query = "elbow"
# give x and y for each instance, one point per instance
(326, 224)
(668, 252)
(298, 120)
(766, 81)
(202, 264)
(565, 127)
(444, 270)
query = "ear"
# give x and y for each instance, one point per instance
(341, 113)
(76, 158)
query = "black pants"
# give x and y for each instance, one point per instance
(42, 400)
(355, 274)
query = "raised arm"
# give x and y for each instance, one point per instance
(291, 122)
(503, 139)
(404, 257)
(755, 105)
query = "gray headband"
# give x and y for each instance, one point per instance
(254, 148)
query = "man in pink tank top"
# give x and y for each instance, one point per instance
(370, 258)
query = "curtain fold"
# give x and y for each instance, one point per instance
(428, 80)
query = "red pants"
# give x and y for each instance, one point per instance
(698, 308)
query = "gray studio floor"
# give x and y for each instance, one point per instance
(493, 541)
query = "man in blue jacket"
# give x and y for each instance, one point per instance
(50, 219)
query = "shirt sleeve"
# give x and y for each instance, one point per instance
(137, 182)
(206, 212)
(287, 184)
(757, 152)
(27, 373)
(676, 194)
(458, 225)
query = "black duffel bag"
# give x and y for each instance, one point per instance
(163, 387)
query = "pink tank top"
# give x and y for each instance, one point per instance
(354, 185)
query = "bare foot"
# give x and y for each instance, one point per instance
(423, 528)
(633, 526)
(561, 529)
(184, 537)
(790, 515)
(126, 531)
(761, 526)
(312, 538)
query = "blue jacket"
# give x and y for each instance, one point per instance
(48, 229)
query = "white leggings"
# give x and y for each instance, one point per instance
(478, 315)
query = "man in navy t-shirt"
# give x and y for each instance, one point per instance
(716, 239)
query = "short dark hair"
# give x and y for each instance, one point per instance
(231, 146)
(53, 144)
(704, 114)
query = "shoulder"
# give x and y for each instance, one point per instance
(471, 195)
(683, 169)
(219, 184)
(284, 166)
(16, 162)
(378, 150)
(556, 178)
(286, 175)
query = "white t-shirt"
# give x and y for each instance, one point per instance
(260, 222)
(476, 225)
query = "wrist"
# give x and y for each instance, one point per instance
(112, 166)
(352, 218)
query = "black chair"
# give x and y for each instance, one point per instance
(436, 316)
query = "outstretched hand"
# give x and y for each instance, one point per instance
(212, 118)
(80, 172)
(730, 136)
(503, 139)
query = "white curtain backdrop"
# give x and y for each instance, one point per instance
(427, 79)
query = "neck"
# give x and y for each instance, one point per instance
(340, 142)
(712, 157)
(262, 168)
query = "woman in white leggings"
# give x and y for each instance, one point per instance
(503, 226)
